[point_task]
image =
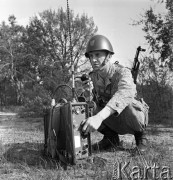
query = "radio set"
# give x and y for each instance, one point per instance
(63, 140)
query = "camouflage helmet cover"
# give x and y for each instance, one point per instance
(98, 42)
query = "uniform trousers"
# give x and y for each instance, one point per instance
(134, 118)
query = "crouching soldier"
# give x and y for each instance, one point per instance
(118, 110)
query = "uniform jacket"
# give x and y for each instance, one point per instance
(115, 86)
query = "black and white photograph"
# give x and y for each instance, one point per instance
(86, 90)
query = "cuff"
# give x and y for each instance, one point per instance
(106, 112)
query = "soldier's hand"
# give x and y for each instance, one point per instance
(87, 85)
(91, 124)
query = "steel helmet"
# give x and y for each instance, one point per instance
(98, 42)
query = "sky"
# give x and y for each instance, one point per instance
(112, 17)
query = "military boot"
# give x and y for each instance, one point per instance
(110, 140)
(141, 141)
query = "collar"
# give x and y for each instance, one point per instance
(104, 75)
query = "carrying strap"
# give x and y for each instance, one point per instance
(61, 157)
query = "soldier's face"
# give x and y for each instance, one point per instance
(97, 58)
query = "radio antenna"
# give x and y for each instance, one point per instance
(71, 55)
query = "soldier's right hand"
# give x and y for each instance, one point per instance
(87, 85)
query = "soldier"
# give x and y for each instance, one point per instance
(118, 110)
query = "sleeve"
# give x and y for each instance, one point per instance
(125, 93)
(88, 95)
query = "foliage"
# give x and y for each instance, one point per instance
(159, 33)
(156, 76)
(49, 40)
(35, 100)
(37, 58)
(12, 57)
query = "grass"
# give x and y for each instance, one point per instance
(22, 157)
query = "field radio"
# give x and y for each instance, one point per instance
(63, 140)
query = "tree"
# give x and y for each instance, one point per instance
(35, 59)
(156, 72)
(159, 33)
(11, 56)
(49, 43)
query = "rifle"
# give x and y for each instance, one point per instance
(136, 64)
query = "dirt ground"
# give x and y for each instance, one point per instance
(22, 141)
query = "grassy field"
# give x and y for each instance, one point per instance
(22, 157)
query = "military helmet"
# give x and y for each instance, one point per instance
(98, 42)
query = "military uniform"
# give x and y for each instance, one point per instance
(118, 110)
(115, 88)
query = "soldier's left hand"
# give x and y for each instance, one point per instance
(91, 124)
